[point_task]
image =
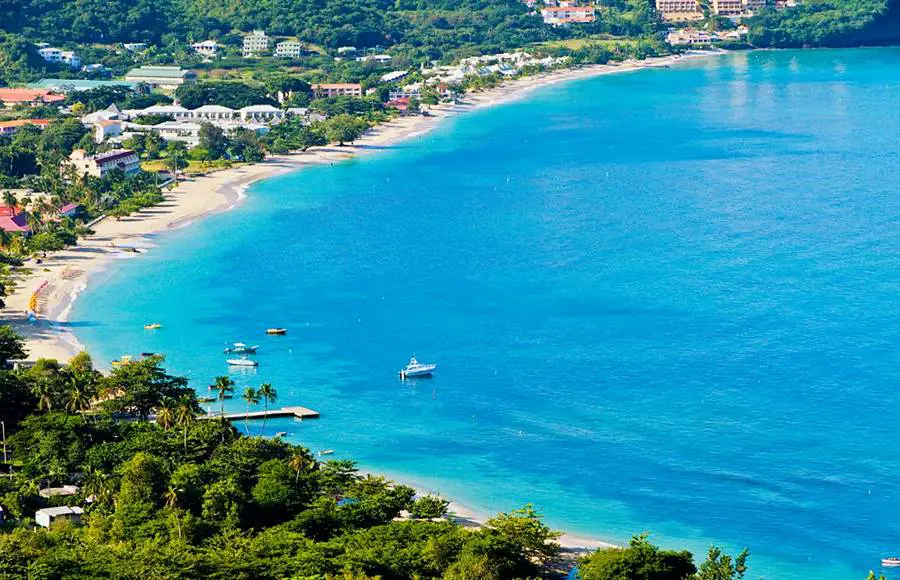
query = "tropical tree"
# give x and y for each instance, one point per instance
(171, 497)
(185, 415)
(251, 397)
(269, 395)
(165, 415)
(223, 386)
(300, 463)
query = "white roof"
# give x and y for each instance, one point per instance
(392, 76)
(178, 126)
(163, 110)
(206, 44)
(62, 510)
(212, 109)
(259, 109)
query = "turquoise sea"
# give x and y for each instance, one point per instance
(666, 300)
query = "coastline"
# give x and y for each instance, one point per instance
(60, 278)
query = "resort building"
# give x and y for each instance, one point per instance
(184, 131)
(211, 113)
(52, 54)
(255, 43)
(728, 7)
(338, 90)
(562, 15)
(679, 10)
(161, 77)
(134, 46)
(288, 49)
(14, 220)
(47, 516)
(690, 37)
(9, 128)
(33, 97)
(105, 130)
(260, 114)
(754, 6)
(101, 164)
(207, 48)
(393, 76)
(376, 58)
(63, 86)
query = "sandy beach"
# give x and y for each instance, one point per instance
(58, 279)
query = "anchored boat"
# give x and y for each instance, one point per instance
(240, 348)
(242, 362)
(276, 331)
(416, 369)
(152, 326)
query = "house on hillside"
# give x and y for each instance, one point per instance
(52, 54)
(289, 49)
(207, 48)
(338, 90)
(9, 128)
(47, 516)
(255, 44)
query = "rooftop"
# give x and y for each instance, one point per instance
(62, 510)
(63, 85)
(153, 71)
(28, 96)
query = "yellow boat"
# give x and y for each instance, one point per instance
(152, 326)
(122, 361)
(276, 331)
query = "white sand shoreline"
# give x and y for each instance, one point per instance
(61, 278)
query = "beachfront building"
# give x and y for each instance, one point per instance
(14, 220)
(563, 15)
(338, 90)
(102, 164)
(289, 49)
(207, 48)
(47, 516)
(161, 77)
(9, 128)
(33, 97)
(53, 54)
(260, 114)
(679, 10)
(690, 37)
(255, 44)
(184, 131)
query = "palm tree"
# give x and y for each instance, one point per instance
(171, 497)
(184, 416)
(300, 463)
(269, 395)
(9, 198)
(223, 386)
(41, 390)
(252, 398)
(79, 398)
(165, 415)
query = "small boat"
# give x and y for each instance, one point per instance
(123, 360)
(326, 452)
(281, 434)
(417, 369)
(152, 326)
(276, 331)
(149, 354)
(240, 348)
(893, 562)
(242, 362)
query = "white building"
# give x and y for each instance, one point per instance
(377, 58)
(207, 48)
(338, 89)
(106, 130)
(52, 54)
(261, 114)
(161, 77)
(134, 46)
(255, 43)
(393, 76)
(288, 49)
(102, 164)
(47, 516)
(211, 113)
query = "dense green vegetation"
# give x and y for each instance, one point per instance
(829, 23)
(183, 497)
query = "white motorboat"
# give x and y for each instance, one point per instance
(242, 362)
(890, 562)
(417, 369)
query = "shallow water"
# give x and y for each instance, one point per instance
(663, 301)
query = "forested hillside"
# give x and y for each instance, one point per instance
(829, 23)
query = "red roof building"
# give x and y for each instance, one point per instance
(13, 220)
(8, 128)
(33, 97)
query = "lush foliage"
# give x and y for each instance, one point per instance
(829, 23)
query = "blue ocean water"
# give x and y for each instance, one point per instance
(663, 301)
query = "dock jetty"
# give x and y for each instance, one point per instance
(297, 412)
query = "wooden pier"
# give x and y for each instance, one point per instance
(296, 412)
